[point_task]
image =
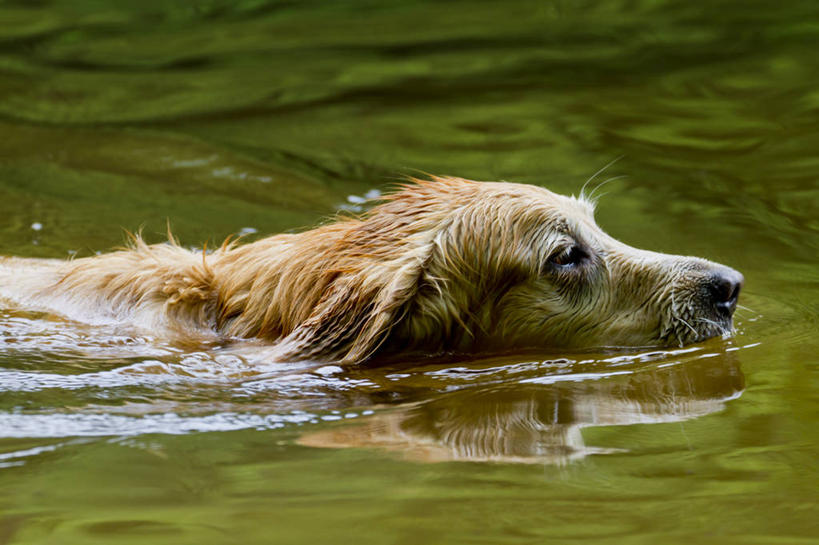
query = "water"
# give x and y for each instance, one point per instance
(262, 117)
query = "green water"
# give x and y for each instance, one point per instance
(224, 116)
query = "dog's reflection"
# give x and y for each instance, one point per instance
(540, 421)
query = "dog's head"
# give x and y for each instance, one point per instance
(450, 264)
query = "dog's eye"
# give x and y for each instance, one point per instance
(568, 257)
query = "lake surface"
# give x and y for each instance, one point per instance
(261, 117)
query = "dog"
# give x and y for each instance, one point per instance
(440, 265)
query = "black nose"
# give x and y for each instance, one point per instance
(725, 287)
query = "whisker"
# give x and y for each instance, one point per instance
(743, 307)
(689, 326)
(722, 329)
(597, 198)
(601, 184)
(596, 174)
(673, 317)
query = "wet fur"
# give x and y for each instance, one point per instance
(443, 264)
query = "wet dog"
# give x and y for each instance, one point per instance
(441, 265)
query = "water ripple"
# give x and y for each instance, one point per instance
(96, 425)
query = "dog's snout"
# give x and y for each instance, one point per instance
(725, 287)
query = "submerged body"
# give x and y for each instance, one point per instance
(442, 265)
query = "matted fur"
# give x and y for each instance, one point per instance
(445, 264)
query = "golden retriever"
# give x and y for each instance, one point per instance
(441, 265)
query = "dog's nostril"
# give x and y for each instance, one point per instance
(726, 290)
(725, 287)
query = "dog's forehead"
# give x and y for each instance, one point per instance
(550, 203)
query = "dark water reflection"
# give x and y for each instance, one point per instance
(541, 418)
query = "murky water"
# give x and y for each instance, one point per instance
(261, 117)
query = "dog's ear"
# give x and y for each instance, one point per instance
(360, 306)
(372, 274)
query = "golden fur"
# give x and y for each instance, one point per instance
(441, 265)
